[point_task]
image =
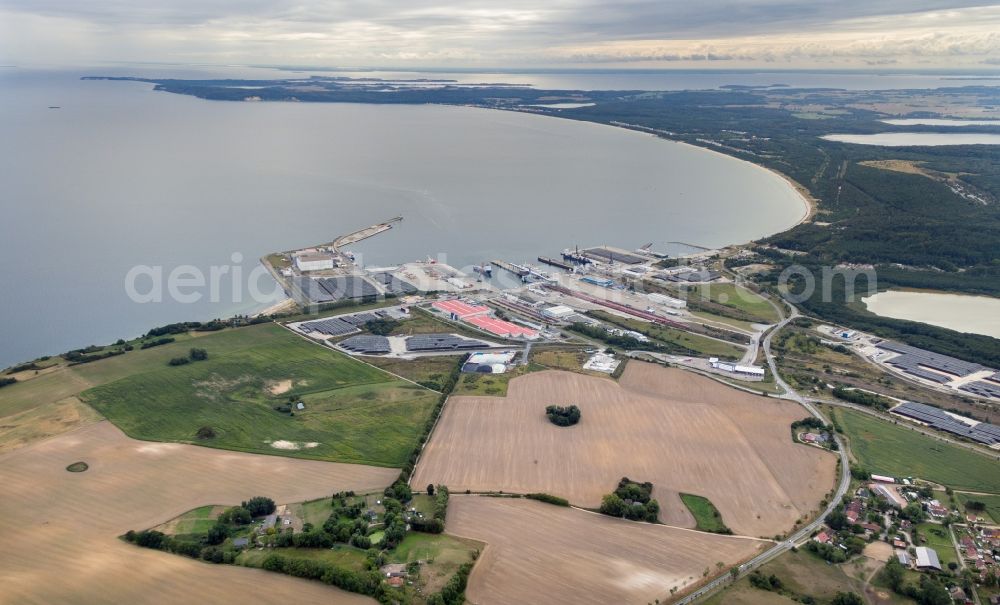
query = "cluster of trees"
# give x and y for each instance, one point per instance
(158, 342)
(368, 582)
(811, 422)
(259, 506)
(91, 353)
(187, 326)
(862, 398)
(7, 380)
(193, 355)
(31, 365)
(975, 505)
(632, 500)
(453, 593)
(435, 524)
(827, 552)
(548, 499)
(770, 583)
(563, 415)
(623, 342)
(188, 548)
(381, 327)
(929, 591)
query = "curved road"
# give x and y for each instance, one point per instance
(804, 532)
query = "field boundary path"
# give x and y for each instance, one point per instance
(804, 532)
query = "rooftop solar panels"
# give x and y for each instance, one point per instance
(393, 284)
(922, 373)
(347, 287)
(982, 388)
(441, 342)
(361, 318)
(332, 326)
(312, 290)
(606, 255)
(988, 434)
(911, 358)
(366, 343)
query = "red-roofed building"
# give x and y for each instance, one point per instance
(459, 309)
(822, 537)
(502, 328)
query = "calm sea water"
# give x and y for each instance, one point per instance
(121, 176)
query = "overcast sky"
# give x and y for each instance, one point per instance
(512, 33)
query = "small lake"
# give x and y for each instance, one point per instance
(909, 139)
(974, 314)
(940, 122)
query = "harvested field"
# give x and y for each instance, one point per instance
(61, 529)
(542, 553)
(681, 431)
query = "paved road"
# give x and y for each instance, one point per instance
(804, 532)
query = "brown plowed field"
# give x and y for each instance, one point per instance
(539, 553)
(681, 431)
(60, 529)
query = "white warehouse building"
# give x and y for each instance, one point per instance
(667, 301)
(558, 312)
(313, 262)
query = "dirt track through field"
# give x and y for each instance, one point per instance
(60, 529)
(540, 553)
(681, 431)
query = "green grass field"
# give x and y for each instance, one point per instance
(430, 370)
(491, 385)
(883, 447)
(314, 511)
(706, 516)
(444, 554)
(354, 412)
(197, 521)
(737, 297)
(992, 504)
(671, 336)
(936, 536)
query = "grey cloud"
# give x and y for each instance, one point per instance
(581, 19)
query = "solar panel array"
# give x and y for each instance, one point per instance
(911, 358)
(366, 343)
(330, 289)
(393, 284)
(994, 377)
(332, 326)
(982, 388)
(312, 290)
(347, 287)
(361, 318)
(983, 432)
(441, 342)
